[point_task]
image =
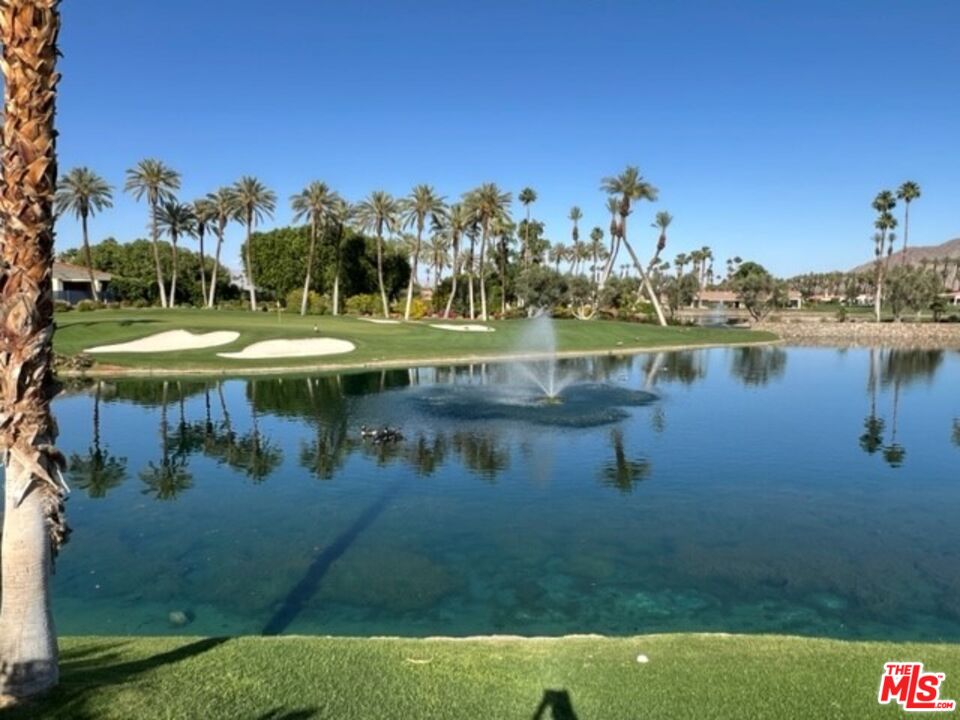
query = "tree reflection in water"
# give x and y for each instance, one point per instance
(623, 473)
(170, 477)
(98, 471)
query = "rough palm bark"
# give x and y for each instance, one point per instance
(33, 524)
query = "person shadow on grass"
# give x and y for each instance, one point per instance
(558, 703)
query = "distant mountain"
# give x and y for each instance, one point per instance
(915, 255)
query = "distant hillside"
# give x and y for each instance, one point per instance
(949, 249)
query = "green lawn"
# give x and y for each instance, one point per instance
(407, 342)
(590, 678)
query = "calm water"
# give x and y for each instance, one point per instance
(809, 491)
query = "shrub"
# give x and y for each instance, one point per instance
(316, 303)
(88, 305)
(841, 314)
(62, 306)
(365, 304)
(418, 308)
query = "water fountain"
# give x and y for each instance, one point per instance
(536, 388)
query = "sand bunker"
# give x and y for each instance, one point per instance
(170, 341)
(381, 321)
(464, 328)
(307, 347)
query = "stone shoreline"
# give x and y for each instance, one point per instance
(921, 336)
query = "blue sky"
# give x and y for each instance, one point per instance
(767, 126)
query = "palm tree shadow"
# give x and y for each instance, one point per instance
(558, 704)
(87, 669)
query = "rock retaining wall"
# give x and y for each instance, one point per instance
(862, 334)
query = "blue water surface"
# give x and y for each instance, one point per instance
(806, 491)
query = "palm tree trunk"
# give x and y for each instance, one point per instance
(203, 270)
(249, 256)
(156, 254)
(453, 281)
(336, 292)
(89, 259)
(483, 284)
(645, 281)
(906, 230)
(306, 281)
(383, 290)
(413, 273)
(216, 266)
(33, 523)
(172, 299)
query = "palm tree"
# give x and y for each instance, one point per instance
(175, 219)
(486, 203)
(527, 197)
(503, 228)
(630, 186)
(156, 182)
(613, 207)
(596, 249)
(557, 254)
(575, 216)
(340, 213)
(224, 208)
(253, 201)
(33, 519)
(204, 214)
(315, 203)
(422, 203)
(883, 203)
(438, 251)
(84, 193)
(457, 221)
(379, 212)
(908, 192)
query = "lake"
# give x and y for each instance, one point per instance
(787, 490)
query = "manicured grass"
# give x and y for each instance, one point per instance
(687, 676)
(415, 341)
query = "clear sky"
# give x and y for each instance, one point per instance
(767, 126)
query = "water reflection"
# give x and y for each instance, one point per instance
(674, 508)
(97, 471)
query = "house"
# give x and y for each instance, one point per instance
(730, 299)
(72, 282)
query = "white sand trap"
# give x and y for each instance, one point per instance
(381, 321)
(464, 328)
(170, 341)
(307, 347)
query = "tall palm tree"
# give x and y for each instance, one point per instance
(340, 213)
(84, 193)
(503, 228)
(155, 181)
(224, 207)
(253, 201)
(422, 203)
(596, 248)
(457, 221)
(908, 192)
(883, 203)
(204, 214)
(613, 207)
(630, 186)
(527, 197)
(33, 519)
(557, 254)
(379, 212)
(315, 203)
(439, 249)
(486, 203)
(176, 219)
(575, 216)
